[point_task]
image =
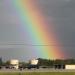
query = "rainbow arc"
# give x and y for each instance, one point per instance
(33, 23)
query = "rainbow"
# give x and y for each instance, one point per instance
(33, 24)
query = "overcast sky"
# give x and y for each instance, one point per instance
(62, 13)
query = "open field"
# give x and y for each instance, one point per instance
(38, 73)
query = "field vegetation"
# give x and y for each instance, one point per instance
(39, 73)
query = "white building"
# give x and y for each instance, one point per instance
(69, 66)
(14, 63)
(34, 62)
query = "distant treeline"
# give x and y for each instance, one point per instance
(46, 62)
(43, 62)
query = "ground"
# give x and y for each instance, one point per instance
(38, 73)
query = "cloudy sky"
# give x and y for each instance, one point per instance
(61, 11)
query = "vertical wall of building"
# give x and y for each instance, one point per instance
(14, 63)
(69, 66)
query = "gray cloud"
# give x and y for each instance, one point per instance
(62, 12)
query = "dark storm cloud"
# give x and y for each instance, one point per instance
(63, 14)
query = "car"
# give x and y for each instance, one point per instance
(33, 66)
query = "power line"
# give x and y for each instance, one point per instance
(22, 44)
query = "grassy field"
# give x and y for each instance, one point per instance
(40, 73)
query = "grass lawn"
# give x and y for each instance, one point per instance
(40, 73)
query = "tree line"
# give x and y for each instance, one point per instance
(48, 62)
(43, 62)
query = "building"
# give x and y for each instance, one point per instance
(14, 63)
(70, 67)
(34, 62)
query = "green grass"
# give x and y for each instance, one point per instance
(40, 73)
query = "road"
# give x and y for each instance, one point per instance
(36, 70)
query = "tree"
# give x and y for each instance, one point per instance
(1, 62)
(7, 63)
